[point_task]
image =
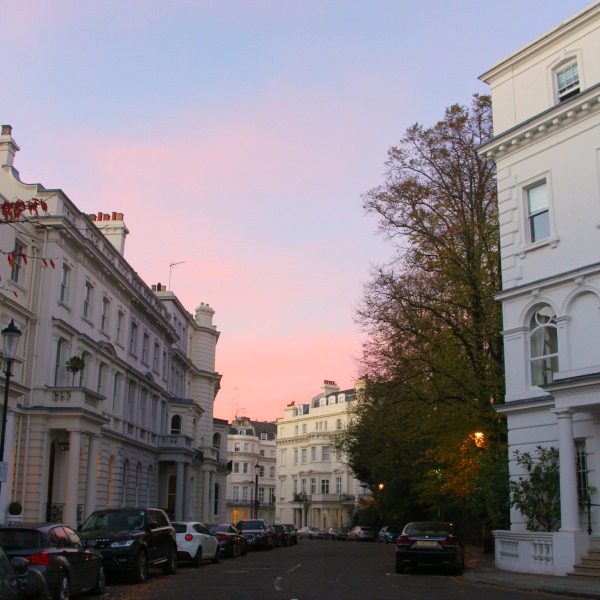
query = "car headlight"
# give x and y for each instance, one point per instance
(122, 543)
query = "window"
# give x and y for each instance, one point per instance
(120, 317)
(155, 357)
(236, 492)
(133, 339)
(295, 456)
(86, 358)
(543, 345)
(338, 424)
(105, 313)
(304, 456)
(325, 454)
(236, 447)
(87, 300)
(338, 485)
(538, 212)
(176, 425)
(272, 472)
(116, 391)
(18, 261)
(236, 467)
(65, 280)
(313, 453)
(145, 344)
(567, 81)
(324, 486)
(583, 486)
(271, 496)
(261, 471)
(59, 369)
(101, 378)
(261, 495)
(313, 485)
(246, 447)
(304, 426)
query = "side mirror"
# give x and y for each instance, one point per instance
(20, 565)
(152, 524)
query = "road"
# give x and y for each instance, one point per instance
(312, 570)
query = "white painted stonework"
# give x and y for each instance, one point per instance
(539, 139)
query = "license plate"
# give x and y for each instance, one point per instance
(426, 544)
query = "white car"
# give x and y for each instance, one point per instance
(195, 543)
(312, 533)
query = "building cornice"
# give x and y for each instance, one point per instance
(545, 124)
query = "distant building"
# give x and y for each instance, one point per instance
(251, 483)
(546, 144)
(314, 486)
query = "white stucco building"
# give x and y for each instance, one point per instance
(314, 486)
(546, 110)
(251, 483)
(135, 426)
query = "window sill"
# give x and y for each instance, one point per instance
(64, 305)
(84, 318)
(552, 241)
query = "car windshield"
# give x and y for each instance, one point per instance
(20, 539)
(249, 525)
(431, 528)
(123, 520)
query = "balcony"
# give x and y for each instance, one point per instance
(73, 397)
(177, 442)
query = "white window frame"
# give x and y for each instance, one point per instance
(526, 243)
(572, 88)
(65, 280)
(88, 297)
(16, 273)
(104, 317)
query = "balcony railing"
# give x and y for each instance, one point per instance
(55, 513)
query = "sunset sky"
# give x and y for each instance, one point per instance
(237, 137)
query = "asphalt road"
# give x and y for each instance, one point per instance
(312, 570)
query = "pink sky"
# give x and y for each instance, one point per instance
(238, 136)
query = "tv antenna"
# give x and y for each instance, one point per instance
(173, 264)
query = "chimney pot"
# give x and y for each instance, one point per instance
(114, 216)
(106, 217)
(100, 216)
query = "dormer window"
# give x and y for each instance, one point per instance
(567, 81)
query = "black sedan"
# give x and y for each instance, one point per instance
(19, 582)
(430, 544)
(58, 553)
(231, 541)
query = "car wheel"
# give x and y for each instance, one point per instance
(140, 574)
(63, 587)
(197, 559)
(170, 567)
(98, 589)
(217, 556)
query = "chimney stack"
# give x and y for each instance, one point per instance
(113, 228)
(8, 147)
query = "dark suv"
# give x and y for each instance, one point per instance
(132, 539)
(258, 534)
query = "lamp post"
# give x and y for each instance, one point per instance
(10, 338)
(256, 471)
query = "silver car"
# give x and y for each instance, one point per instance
(361, 533)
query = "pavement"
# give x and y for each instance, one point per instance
(480, 568)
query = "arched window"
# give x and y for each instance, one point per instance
(175, 425)
(272, 472)
(543, 345)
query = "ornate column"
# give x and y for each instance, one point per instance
(187, 492)
(179, 492)
(91, 483)
(206, 497)
(569, 505)
(72, 489)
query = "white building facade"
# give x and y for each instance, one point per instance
(546, 110)
(314, 486)
(251, 483)
(135, 425)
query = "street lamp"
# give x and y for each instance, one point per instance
(10, 338)
(256, 471)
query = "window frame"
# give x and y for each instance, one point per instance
(18, 266)
(571, 89)
(527, 243)
(88, 296)
(551, 358)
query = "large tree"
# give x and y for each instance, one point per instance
(433, 357)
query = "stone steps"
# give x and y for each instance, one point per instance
(589, 566)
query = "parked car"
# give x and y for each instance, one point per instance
(195, 543)
(336, 534)
(59, 554)
(20, 582)
(258, 533)
(387, 535)
(231, 541)
(430, 543)
(132, 539)
(293, 533)
(282, 535)
(312, 533)
(361, 533)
